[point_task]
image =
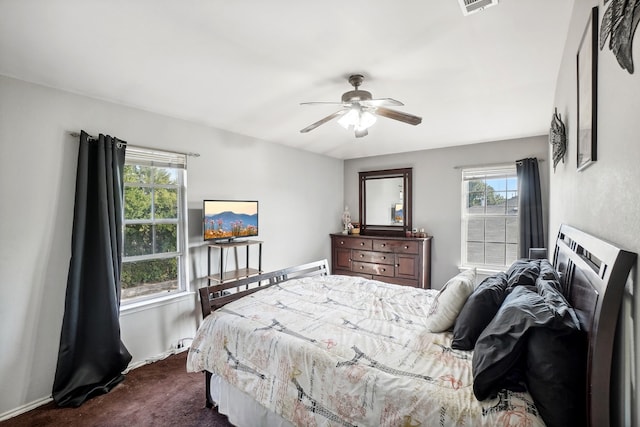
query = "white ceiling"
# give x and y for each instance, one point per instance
(246, 65)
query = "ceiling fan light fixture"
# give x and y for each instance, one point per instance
(366, 120)
(349, 119)
(357, 119)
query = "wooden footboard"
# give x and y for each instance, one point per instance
(214, 297)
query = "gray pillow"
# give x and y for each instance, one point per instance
(478, 311)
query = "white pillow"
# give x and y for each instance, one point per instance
(447, 304)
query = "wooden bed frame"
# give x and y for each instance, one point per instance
(214, 297)
(593, 270)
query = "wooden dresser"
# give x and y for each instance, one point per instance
(401, 260)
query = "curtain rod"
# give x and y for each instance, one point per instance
(489, 165)
(190, 154)
(519, 162)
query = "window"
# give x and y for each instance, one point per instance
(490, 229)
(154, 224)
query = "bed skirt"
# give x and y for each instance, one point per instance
(241, 409)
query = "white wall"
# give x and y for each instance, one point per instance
(437, 189)
(604, 199)
(300, 197)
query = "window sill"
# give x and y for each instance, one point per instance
(150, 303)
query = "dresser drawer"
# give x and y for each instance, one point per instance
(373, 257)
(397, 246)
(375, 269)
(352, 243)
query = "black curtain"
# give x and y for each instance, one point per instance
(92, 357)
(529, 206)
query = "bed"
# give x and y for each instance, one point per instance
(299, 346)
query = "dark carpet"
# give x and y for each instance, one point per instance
(157, 394)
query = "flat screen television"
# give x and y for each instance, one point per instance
(229, 219)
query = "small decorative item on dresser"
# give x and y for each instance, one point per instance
(354, 228)
(346, 220)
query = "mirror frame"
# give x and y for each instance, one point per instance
(387, 230)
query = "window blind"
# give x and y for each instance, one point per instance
(489, 173)
(147, 157)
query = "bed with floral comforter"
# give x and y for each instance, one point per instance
(346, 351)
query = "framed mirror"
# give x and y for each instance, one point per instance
(385, 202)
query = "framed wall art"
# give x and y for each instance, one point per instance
(587, 66)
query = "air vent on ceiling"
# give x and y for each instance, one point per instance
(472, 6)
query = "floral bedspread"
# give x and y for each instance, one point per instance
(346, 351)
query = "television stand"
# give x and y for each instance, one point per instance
(238, 273)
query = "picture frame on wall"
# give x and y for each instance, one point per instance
(587, 78)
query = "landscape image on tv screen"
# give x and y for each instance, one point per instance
(229, 219)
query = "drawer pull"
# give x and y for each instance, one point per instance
(384, 244)
(361, 255)
(406, 247)
(384, 269)
(397, 265)
(361, 243)
(384, 257)
(342, 242)
(361, 267)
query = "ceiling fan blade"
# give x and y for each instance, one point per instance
(398, 115)
(382, 102)
(323, 121)
(324, 103)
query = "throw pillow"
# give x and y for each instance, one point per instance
(447, 304)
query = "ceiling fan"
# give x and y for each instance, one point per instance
(359, 110)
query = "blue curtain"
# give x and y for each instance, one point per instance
(529, 206)
(91, 356)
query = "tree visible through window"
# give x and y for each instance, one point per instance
(153, 262)
(490, 228)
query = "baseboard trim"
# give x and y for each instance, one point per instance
(149, 360)
(25, 408)
(43, 401)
